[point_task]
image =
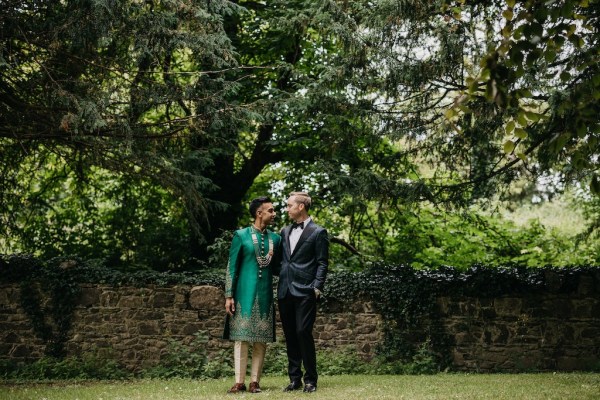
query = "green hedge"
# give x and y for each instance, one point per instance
(385, 283)
(16, 268)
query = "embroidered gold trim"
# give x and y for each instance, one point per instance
(252, 328)
(228, 280)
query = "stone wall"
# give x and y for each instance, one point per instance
(543, 331)
(135, 325)
(528, 333)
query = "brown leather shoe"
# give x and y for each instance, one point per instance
(254, 387)
(237, 388)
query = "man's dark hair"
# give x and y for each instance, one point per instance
(256, 203)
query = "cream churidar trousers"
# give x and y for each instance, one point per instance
(240, 359)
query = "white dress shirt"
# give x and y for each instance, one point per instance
(296, 233)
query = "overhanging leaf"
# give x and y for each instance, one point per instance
(509, 146)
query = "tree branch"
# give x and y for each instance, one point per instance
(345, 244)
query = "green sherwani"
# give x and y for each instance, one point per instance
(251, 288)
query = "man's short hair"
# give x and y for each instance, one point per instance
(256, 203)
(303, 198)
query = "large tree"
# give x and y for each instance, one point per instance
(480, 95)
(340, 97)
(195, 96)
(488, 91)
(121, 85)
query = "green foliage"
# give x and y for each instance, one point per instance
(276, 362)
(347, 361)
(220, 250)
(86, 367)
(219, 365)
(428, 237)
(341, 361)
(540, 75)
(467, 239)
(121, 91)
(195, 98)
(62, 291)
(591, 210)
(183, 360)
(18, 268)
(406, 299)
(423, 361)
(112, 217)
(135, 132)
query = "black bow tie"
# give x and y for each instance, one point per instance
(300, 225)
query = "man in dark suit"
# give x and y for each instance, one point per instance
(305, 258)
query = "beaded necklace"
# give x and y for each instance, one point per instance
(262, 259)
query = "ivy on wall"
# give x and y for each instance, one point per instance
(49, 290)
(62, 292)
(15, 268)
(404, 296)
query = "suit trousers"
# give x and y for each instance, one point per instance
(240, 360)
(298, 316)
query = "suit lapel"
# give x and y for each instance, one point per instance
(305, 234)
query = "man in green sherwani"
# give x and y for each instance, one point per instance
(253, 255)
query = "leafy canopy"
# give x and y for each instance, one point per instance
(147, 125)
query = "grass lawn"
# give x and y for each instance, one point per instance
(347, 387)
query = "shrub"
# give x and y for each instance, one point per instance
(276, 363)
(89, 366)
(182, 360)
(218, 366)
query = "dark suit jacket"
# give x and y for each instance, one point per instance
(305, 269)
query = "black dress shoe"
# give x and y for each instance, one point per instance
(310, 388)
(292, 386)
